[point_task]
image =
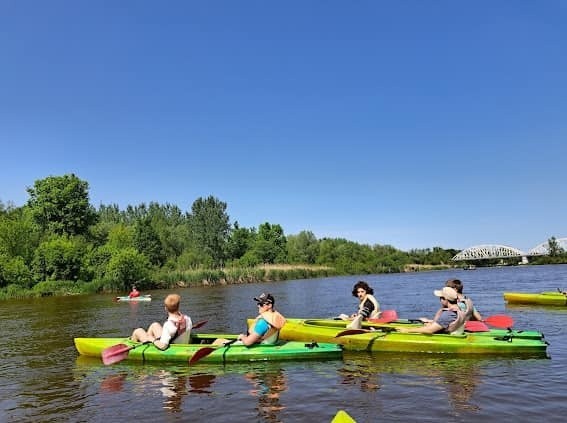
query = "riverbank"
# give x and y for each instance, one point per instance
(195, 277)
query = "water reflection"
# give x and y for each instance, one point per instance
(458, 377)
(268, 387)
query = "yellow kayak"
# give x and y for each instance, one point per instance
(342, 417)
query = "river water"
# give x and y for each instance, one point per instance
(42, 378)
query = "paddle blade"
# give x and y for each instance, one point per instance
(476, 326)
(115, 354)
(500, 321)
(203, 352)
(387, 316)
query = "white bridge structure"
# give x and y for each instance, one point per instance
(493, 251)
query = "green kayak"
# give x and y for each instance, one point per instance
(283, 350)
(551, 298)
(341, 324)
(147, 297)
(387, 339)
(342, 417)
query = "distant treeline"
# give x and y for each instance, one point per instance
(58, 242)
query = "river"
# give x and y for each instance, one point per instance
(42, 378)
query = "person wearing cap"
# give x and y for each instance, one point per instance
(266, 327)
(449, 319)
(368, 306)
(134, 293)
(464, 303)
(177, 328)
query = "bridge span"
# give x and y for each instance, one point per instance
(492, 251)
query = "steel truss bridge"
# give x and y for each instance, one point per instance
(493, 251)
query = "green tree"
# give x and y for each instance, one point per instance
(126, 267)
(302, 248)
(19, 236)
(270, 244)
(60, 204)
(554, 248)
(239, 242)
(59, 258)
(209, 227)
(147, 241)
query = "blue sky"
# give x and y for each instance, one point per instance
(410, 123)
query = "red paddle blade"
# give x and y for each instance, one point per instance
(115, 354)
(500, 321)
(203, 352)
(351, 332)
(387, 316)
(476, 326)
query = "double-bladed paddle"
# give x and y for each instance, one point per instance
(119, 352)
(387, 316)
(205, 351)
(380, 330)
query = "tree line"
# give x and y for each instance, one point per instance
(59, 240)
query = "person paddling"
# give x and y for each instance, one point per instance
(368, 307)
(177, 328)
(134, 293)
(449, 318)
(464, 302)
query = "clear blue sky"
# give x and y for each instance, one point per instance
(410, 123)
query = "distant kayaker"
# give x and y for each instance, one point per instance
(134, 293)
(448, 319)
(464, 302)
(266, 327)
(368, 307)
(177, 328)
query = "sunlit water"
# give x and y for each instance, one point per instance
(43, 379)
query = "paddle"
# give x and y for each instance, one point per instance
(476, 326)
(361, 331)
(203, 352)
(499, 321)
(119, 352)
(387, 316)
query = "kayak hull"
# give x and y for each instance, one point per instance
(342, 324)
(147, 297)
(284, 350)
(543, 298)
(391, 341)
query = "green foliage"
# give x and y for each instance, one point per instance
(126, 267)
(239, 242)
(19, 236)
(120, 236)
(14, 271)
(270, 244)
(147, 242)
(96, 261)
(209, 227)
(60, 204)
(302, 248)
(59, 258)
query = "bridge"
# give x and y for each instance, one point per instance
(493, 251)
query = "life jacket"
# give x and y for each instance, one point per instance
(181, 329)
(135, 293)
(457, 326)
(375, 314)
(276, 322)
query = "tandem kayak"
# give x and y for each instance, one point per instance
(147, 297)
(342, 324)
(552, 298)
(283, 350)
(391, 341)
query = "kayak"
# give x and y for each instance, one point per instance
(384, 339)
(552, 298)
(147, 297)
(283, 350)
(342, 324)
(342, 417)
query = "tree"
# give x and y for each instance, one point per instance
(60, 204)
(554, 248)
(270, 244)
(302, 248)
(239, 242)
(59, 258)
(209, 227)
(147, 241)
